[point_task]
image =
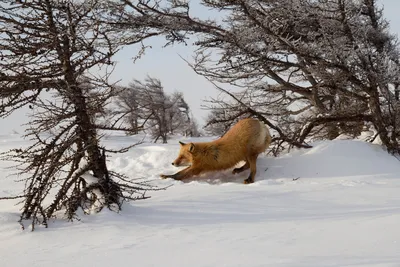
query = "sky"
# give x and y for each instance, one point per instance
(166, 64)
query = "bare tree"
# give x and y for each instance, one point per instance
(181, 119)
(192, 129)
(307, 68)
(52, 46)
(127, 110)
(146, 104)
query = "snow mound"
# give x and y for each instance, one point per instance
(326, 159)
(338, 158)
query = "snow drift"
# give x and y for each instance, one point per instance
(336, 204)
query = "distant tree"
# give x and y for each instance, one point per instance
(181, 119)
(158, 105)
(146, 104)
(308, 68)
(52, 46)
(127, 110)
(193, 128)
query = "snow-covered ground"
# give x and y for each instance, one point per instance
(337, 204)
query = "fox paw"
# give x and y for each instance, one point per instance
(248, 181)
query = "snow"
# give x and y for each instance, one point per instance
(336, 204)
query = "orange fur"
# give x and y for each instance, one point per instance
(243, 142)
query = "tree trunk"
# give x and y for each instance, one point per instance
(379, 123)
(87, 133)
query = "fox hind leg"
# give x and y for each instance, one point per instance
(252, 160)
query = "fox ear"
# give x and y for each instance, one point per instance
(182, 143)
(191, 148)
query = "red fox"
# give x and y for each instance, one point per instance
(243, 142)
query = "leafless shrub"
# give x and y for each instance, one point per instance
(50, 47)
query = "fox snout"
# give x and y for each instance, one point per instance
(180, 162)
(176, 164)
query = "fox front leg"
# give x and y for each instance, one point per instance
(183, 174)
(173, 176)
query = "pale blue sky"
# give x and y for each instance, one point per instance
(166, 64)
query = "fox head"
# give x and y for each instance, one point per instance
(185, 157)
